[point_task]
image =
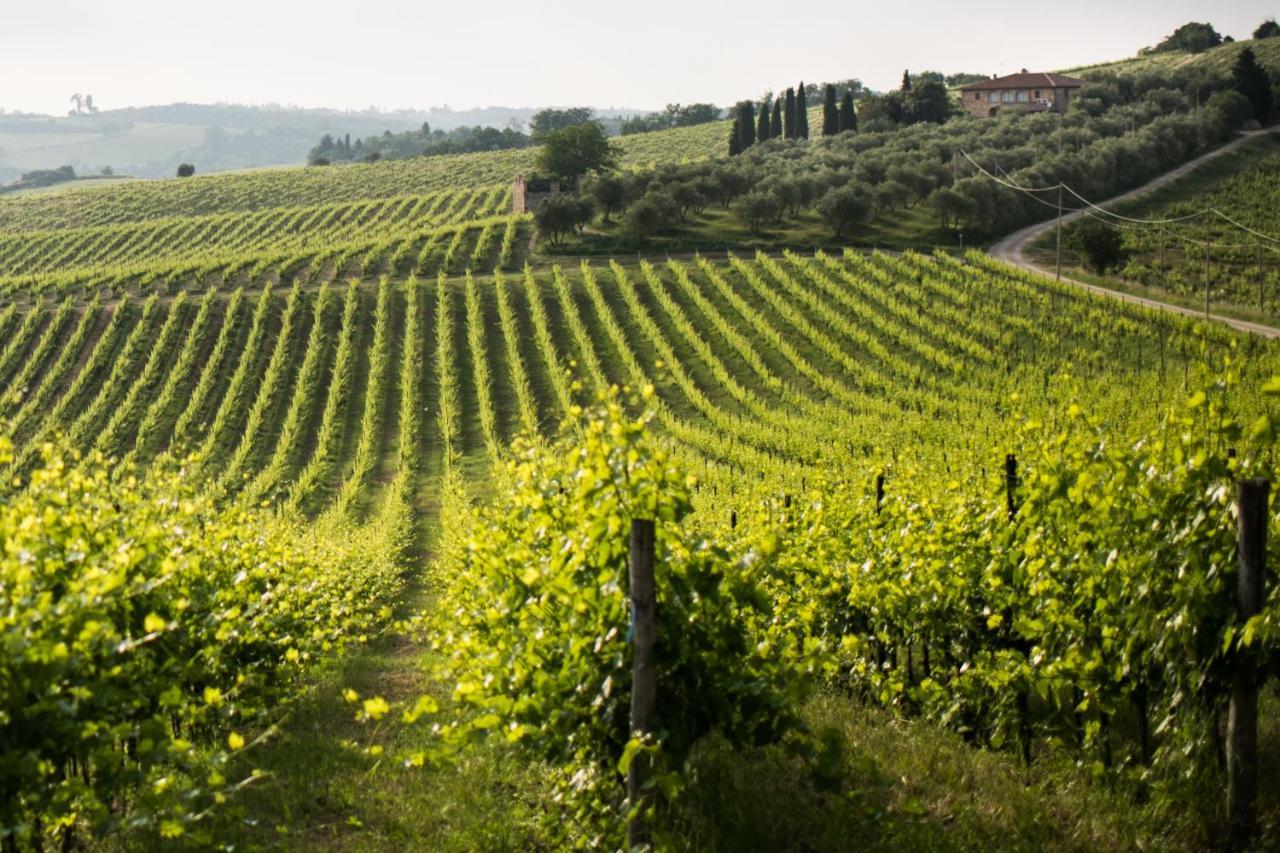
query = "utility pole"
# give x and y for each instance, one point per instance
(1206, 266)
(1261, 281)
(1058, 263)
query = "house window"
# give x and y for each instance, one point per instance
(1022, 96)
(977, 96)
(1007, 96)
(1037, 94)
(993, 97)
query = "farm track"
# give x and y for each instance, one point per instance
(1012, 249)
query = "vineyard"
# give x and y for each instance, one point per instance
(260, 429)
(1171, 240)
(1243, 268)
(372, 399)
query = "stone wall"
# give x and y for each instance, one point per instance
(526, 195)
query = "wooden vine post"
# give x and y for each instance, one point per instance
(1022, 699)
(644, 674)
(1242, 712)
(1011, 484)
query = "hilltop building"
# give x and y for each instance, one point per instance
(1024, 92)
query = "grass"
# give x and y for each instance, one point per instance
(893, 785)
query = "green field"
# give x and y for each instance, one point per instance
(65, 143)
(318, 484)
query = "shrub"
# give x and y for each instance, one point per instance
(1101, 245)
(534, 633)
(1230, 110)
(186, 170)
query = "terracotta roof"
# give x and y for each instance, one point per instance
(1026, 80)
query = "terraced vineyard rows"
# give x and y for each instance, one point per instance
(372, 409)
(778, 363)
(230, 234)
(395, 248)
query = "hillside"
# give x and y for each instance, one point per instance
(1216, 59)
(344, 509)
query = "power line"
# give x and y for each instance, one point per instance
(1117, 220)
(1008, 182)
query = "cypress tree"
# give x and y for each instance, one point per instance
(830, 112)
(734, 146)
(802, 114)
(1251, 81)
(775, 125)
(906, 82)
(848, 115)
(746, 125)
(789, 115)
(762, 128)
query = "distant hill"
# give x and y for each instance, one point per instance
(152, 141)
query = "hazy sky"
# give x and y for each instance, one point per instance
(422, 53)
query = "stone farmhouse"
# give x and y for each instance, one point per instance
(1023, 92)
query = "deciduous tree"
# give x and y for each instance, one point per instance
(572, 152)
(550, 120)
(759, 209)
(608, 193)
